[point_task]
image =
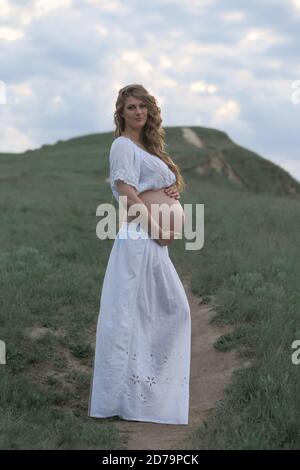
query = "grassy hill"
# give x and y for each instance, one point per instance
(236, 166)
(219, 155)
(52, 267)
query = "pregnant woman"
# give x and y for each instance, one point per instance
(143, 341)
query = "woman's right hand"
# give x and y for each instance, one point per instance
(170, 236)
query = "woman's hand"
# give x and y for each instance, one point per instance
(171, 235)
(172, 191)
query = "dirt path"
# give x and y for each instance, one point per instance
(210, 373)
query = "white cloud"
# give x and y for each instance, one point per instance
(296, 4)
(44, 7)
(165, 62)
(57, 100)
(137, 60)
(229, 110)
(21, 89)
(6, 10)
(14, 140)
(193, 6)
(203, 87)
(25, 13)
(273, 63)
(168, 82)
(114, 6)
(10, 34)
(101, 30)
(233, 16)
(258, 40)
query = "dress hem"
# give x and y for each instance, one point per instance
(149, 420)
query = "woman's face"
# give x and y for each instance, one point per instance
(135, 113)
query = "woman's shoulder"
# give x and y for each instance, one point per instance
(123, 148)
(121, 141)
(119, 145)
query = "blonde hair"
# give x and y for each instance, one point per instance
(153, 135)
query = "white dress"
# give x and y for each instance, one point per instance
(141, 367)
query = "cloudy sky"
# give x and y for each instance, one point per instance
(230, 65)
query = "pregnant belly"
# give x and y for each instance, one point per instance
(172, 218)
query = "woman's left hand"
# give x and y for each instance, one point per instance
(172, 191)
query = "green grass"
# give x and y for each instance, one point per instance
(250, 265)
(52, 267)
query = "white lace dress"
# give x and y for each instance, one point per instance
(143, 340)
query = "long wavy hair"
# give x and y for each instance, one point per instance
(153, 135)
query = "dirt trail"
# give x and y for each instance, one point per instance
(210, 373)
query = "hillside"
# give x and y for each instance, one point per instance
(206, 152)
(200, 152)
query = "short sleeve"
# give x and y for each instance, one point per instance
(124, 165)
